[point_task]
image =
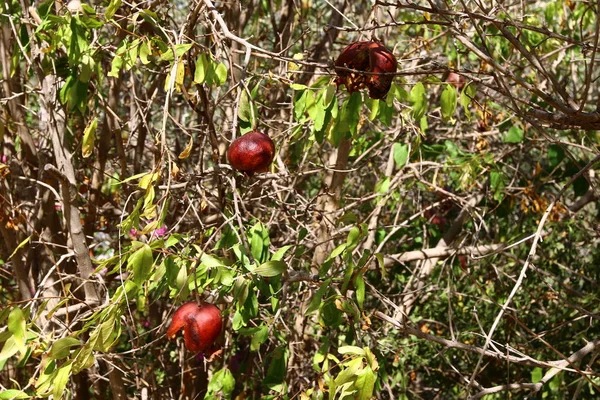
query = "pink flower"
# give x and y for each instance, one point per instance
(162, 231)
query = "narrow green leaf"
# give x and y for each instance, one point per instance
(17, 326)
(60, 380)
(315, 302)
(13, 394)
(246, 109)
(359, 284)
(351, 112)
(281, 252)
(298, 86)
(112, 8)
(271, 268)
(374, 106)
(23, 243)
(351, 350)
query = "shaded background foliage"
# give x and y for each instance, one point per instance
(438, 243)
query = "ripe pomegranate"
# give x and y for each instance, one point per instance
(456, 80)
(371, 57)
(201, 324)
(252, 152)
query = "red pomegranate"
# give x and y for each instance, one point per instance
(252, 152)
(456, 80)
(201, 324)
(367, 56)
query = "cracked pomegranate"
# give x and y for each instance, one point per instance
(370, 57)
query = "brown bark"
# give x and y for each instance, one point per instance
(327, 203)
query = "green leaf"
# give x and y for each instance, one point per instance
(497, 182)
(115, 67)
(177, 50)
(84, 358)
(259, 337)
(60, 380)
(354, 236)
(514, 135)
(62, 347)
(202, 65)
(400, 151)
(21, 245)
(300, 104)
(246, 109)
(87, 66)
(383, 186)
(141, 263)
(14, 394)
(580, 186)
(8, 350)
(351, 350)
(112, 8)
(298, 86)
(17, 326)
(359, 284)
(418, 101)
(374, 107)
(259, 242)
(88, 21)
(536, 375)
(466, 97)
(222, 382)
(271, 268)
(328, 95)
(365, 383)
(145, 51)
(337, 251)
(221, 74)
(279, 254)
(555, 155)
(89, 138)
(78, 43)
(315, 302)
(351, 112)
(448, 102)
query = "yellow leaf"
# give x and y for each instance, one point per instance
(89, 138)
(186, 152)
(180, 74)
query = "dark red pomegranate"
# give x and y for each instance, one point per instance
(201, 324)
(371, 57)
(252, 152)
